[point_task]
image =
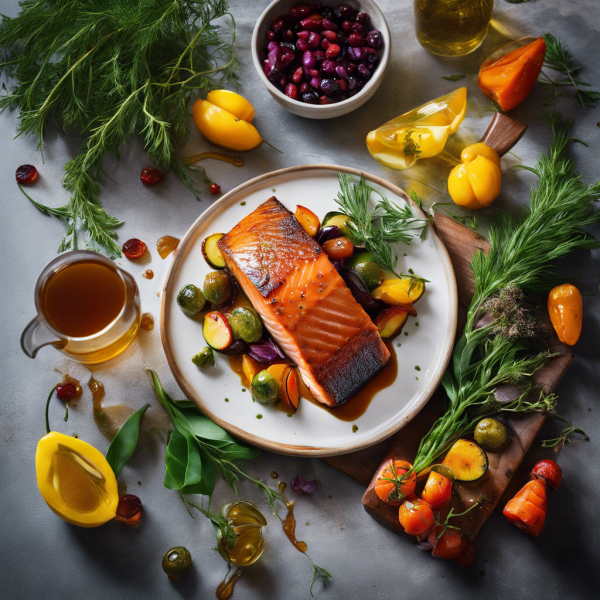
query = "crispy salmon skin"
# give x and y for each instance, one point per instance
(304, 303)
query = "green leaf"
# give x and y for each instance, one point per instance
(182, 461)
(203, 427)
(124, 443)
(233, 451)
(453, 77)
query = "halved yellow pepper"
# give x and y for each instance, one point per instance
(423, 130)
(475, 183)
(224, 119)
(399, 292)
(76, 480)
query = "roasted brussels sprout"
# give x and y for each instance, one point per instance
(371, 273)
(245, 324)
(190, 299)
(264, 388)
(177, 562)
(491, 434)
(217, 287)
(204, 358)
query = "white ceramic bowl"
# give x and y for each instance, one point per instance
(317, 111)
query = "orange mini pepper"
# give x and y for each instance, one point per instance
(565, 308)
(416, 516)
(437, 491)
(510, 79)
(527, 510)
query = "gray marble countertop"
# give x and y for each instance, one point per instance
(44, 557)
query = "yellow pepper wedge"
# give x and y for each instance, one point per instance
(224, 119)
(565, 307)
(420, 133)
(475, 183)
(399, 292)
(76, 480)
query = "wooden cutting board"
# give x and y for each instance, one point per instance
(364, 466)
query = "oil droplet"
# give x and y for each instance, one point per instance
(108, 419)
(148, 274)
(398, 345)
(226, 587)
(274, 474)
(289, 523)
(354, 428)
(166, 244)
(406, 333)
(236, 161)
(147, 322)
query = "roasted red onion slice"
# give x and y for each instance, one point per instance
(265, 352)
(360, 291)
(299, 484)
(330, 232)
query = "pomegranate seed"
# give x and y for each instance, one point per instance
(271, 35)
(325, 44)
(134, 249)
(358, 27)
(66, 391)
(129, 509)
(297, 76)
(26, 174)
(329, 24)
(355, 40)
(278, 25)
(342, 85)
(362, 17)
(304, 35)
(214, 189)
(325, 100)
(315, 72)
(151, 176)
(330, 35)
(302, 45)
(347, 26)
(333, 50)
(304, 87)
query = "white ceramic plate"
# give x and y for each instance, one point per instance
(312, 431)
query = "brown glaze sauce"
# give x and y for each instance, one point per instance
(148, 274)
(289, 523)
(78, 390)
(108, 419)
(353, 408)
(147, 322)
(166, 244)
(236, 161)
(227, 586)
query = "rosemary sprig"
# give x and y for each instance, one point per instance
(112, 70)
(522, 257)
(564, 437)
(377, 230)
(410, 147)
(559, 59)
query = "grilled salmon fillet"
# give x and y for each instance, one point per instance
(304, 303)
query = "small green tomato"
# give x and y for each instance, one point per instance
(177, 562)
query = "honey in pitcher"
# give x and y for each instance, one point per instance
(83, 298)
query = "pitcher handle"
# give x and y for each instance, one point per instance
(36, 335)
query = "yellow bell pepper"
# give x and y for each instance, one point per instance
(475, 183)
(420, 133)
(399, 292)
(75, 480)
(224, 119)
(565, 308)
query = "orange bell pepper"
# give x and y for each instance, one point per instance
(565, 308)
(527, 510)
(510, 79)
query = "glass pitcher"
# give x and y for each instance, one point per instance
(100, 346)
(452, 27)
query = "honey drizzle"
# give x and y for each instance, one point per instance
(108, 419)
(148, 274)
(166, 244)
(289, 523)
(147, 322)
(236, 161)
(226, 587)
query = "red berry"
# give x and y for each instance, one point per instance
(151, 176)
(26, 174)
(66, 391)
(549, 472)
(129, 509)
(134, 249)
(333, 50)
(214, 189)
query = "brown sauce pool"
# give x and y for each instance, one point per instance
(289, 523)
(353, 408)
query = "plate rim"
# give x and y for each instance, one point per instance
(291, 449)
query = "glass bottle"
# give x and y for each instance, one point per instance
(452, 27)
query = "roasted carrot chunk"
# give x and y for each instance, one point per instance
(525, 515)
(534, 492)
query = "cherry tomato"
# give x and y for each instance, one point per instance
(437, 491)
(214, 189)
(416, 517)
(448, 546)
(151, 176)
(391, 487)
(338, 248)
(548, 471)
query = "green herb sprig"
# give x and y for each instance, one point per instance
(125, 442)
(559, 59)
(522, 257)
(451, 515)
(377, 229)
(112, 70)
(409, 146)
(564, 437)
